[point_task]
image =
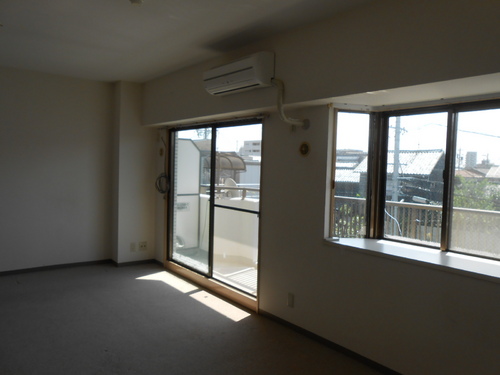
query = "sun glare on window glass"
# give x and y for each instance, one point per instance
(349, 217)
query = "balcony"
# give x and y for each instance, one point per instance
(473, 231)
(235, 234)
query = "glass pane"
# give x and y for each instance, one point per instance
(476, 197)
(414, 185)
(236, 226)
(191, 198)
(349, 217)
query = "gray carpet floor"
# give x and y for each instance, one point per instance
(102, 319)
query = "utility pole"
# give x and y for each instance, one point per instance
(395, 172)
(395, 177)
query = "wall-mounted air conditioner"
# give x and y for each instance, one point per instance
(251, 72)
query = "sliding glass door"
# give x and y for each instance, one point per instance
(191, 193)
(215, 202)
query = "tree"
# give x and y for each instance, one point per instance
(476, 193)
(204, 133)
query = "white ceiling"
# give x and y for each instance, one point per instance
(112, 40)
(468, 89)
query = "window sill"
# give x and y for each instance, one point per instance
(485, 269)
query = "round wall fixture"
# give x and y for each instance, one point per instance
(304, 149)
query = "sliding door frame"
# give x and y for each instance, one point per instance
(205, 280)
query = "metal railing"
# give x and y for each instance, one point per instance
(232, 191)
(241, 192)
(410, 221)
(476, 231)
(420, 222)
(349, 217)
(473, 231)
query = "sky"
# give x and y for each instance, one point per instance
(478, 131)
(230, 138)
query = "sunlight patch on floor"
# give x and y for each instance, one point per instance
(169, 279)
(215, 303)
(222, 307)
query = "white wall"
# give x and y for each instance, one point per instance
(411, 318)
(135, 169)
(387, 44)
(77, 169)
(55, 168)
(160, 199)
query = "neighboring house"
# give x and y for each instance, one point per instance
(480, 172)
(347, 178)
(493, 174)
(469, 173)
(243, 169)
(419, 175)
(227, 164)
(251, 148)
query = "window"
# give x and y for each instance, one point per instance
(431, 177)
(475, 215)
(414, 182)
(349, 219)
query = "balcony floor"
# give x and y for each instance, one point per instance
(230, 271)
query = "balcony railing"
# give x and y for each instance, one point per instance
(349, 217)
(473, 231)
(476, 231)
(410, 221)
(239, 191)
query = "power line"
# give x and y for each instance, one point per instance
(469, 131)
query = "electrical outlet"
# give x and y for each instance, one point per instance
(133, 247)
(290, 300)
(143, 245)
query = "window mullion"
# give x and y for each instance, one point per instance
(213, 183)
(334, 120)
(378, 168)
(448, 177)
